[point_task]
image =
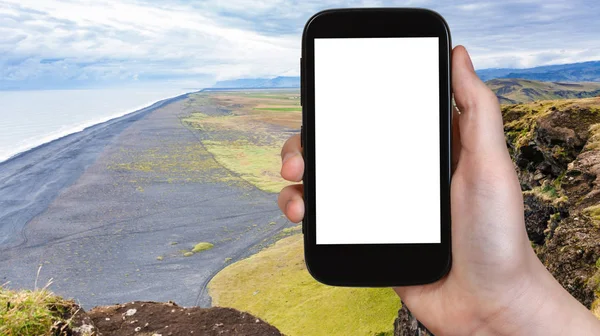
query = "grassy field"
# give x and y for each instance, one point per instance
(275, 286)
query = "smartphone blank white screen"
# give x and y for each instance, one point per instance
(377, 150)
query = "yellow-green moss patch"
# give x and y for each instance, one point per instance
(202, 247)
(593, 211)
(292, 229)
(275, 286)
(596, 308)
(593, 142)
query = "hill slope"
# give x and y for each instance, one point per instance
(572, 72)
(512, 91)
(246, 83)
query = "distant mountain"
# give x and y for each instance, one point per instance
(512, 91)
(246, 83)
(573, 72)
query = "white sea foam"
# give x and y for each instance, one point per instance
(31, 118)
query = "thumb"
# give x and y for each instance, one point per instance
(480, 120)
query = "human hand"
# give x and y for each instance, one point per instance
(496, 285)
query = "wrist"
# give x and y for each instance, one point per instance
(543, 307)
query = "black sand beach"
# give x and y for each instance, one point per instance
(109, 212)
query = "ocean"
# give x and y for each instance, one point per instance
(31, 118)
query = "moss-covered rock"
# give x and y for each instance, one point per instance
(556, 149)
(544, 137)
(571, 256)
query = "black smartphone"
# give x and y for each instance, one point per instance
(376, 114)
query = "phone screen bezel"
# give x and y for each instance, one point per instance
(375, 264)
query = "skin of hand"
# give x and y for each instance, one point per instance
(497, 285)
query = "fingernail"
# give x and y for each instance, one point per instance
(289, 156)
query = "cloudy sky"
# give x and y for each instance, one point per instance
(67, 43)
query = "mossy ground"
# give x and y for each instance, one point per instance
(596, 308)
(520, 120)
(32, 313)
(254, 127)
(275, 286)
(182, 163)
(593, 142)
(593, 211)
(258, 165)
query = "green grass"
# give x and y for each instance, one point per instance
(280, 109)
(202, 247)
(288, 96)
(258, 165)
(29, 313)
(275, 286)
(550, 190)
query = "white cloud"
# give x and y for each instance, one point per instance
(135, 40)
(134, 35)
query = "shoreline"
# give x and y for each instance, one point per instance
(113, 213)
(110, 119)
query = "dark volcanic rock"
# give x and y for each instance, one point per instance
(407, 325)
(150, 318)
(537, 215)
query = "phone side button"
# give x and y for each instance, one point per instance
(303, 228)
(302, 136)
(301, 82)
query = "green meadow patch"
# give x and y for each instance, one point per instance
(275, 286)
(280, 109)
(258, 165)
